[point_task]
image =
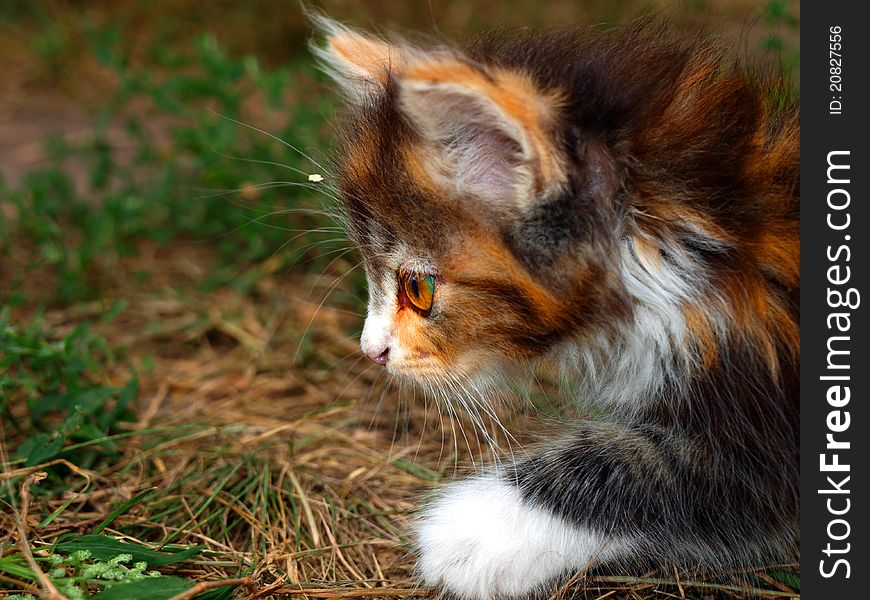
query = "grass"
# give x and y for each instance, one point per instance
(183, 411)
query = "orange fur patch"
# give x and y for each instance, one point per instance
(648, 253)
(700, 334)
(779, 252)
(371, 57)
(415, 159)
(486, 257)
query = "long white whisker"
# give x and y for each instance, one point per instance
(262, 162)
(274, 137)
(325, 297)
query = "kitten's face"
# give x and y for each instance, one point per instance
(454, 186)
(446, 298)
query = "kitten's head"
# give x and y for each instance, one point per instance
(455, 177)
(628, 200)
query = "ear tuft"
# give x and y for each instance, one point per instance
(360, 64)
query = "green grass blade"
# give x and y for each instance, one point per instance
(121, 510)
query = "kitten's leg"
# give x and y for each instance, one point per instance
(606, 494)
(481, 539)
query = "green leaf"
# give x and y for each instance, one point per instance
(150, 588)
(104, 548)
(40, 448)
(87, 431)
(93, 399)
(88, 402)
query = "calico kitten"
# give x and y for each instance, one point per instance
(623, 205)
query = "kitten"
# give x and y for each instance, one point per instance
(625, 206)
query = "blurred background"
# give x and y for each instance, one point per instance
(63, 61)
(179, 313)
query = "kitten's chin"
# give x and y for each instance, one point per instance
(436, 375)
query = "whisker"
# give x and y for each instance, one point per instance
(259, 161)
(274, 137)
(326, 296)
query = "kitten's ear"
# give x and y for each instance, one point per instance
(361, 64)
(493, 128)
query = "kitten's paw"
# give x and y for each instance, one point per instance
(480, 539)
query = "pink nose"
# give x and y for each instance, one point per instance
(379, 354)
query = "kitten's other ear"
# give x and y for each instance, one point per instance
(494, 127)
(361, 64)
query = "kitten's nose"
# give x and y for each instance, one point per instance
(381, 358)
(377, 338)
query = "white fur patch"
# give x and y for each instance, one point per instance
(480, 539)
(625, 371)
(377, 334)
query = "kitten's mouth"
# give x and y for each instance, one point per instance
(426, 369)
(420, 368)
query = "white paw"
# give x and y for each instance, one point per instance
(479, 539)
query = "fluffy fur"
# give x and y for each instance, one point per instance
(624, 206)
(481, 539)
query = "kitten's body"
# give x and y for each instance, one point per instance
(620, 205)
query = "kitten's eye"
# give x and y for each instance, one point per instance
(419, 290)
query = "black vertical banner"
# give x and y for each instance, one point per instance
(835, 371)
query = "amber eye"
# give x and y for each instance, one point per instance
(419, 290)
